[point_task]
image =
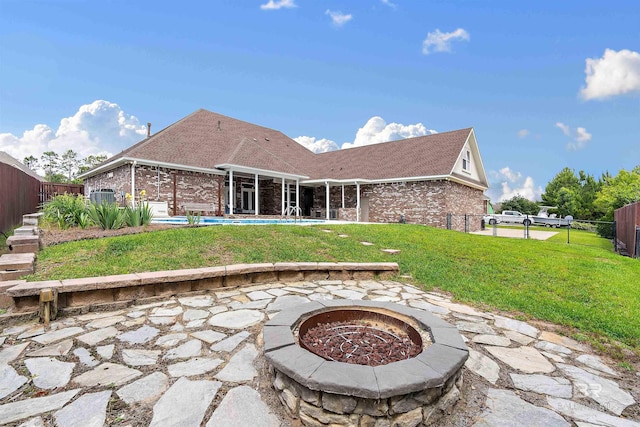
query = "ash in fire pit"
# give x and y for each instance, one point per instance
(363, 340)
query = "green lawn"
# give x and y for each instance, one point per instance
(588, 289)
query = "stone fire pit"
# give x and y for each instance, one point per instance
(404, 388)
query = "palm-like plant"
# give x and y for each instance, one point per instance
(107, 215)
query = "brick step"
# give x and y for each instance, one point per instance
(26, 230)
(20, 261)
(15, 274)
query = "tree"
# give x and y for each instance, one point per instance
(90, 162)
(618, 191)
(588, 193)
(69, 164)
(50, 162)
(520, 204)
(566, 178)
(573, 195)
(31, 162)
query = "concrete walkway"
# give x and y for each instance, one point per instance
(196, 360)
(517, 233)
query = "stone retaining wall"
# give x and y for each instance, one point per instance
(94, 291)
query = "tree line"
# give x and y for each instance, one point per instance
(63, 168)
(583, 196)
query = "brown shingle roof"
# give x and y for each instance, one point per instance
(205, 139)
(430, 155)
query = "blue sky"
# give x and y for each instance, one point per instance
(545, 84)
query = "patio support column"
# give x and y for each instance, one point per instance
(297, 197)
(283, 196)
(288, 199)
(342, 196)
(231, 192)
(256, 192)
(357, 201)
(327, 201)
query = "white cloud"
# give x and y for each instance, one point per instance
(522, 133)
(317, 146)
(338, 18)
(507, 183)
(510, 175)
(97, 128)
(580, 138)
(616, 73)
(278, 4)
(564, 128)
(389, 3)
(376, 130)
(438, 41)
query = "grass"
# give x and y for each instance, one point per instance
(588, 289)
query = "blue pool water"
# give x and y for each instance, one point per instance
(206, 220)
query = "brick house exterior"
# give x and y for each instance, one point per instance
(419, 180)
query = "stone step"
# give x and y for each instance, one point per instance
(31, 219)
(24, 244)
(25, 249)
(26, 230)
(15, 274)
(10, 262)
(23, 240)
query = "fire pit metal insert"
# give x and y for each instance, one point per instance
(308, 383)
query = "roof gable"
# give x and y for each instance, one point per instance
(469, 166)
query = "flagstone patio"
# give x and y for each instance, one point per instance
(197, 360)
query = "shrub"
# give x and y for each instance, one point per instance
(66, 211)
(193, 219)
(140, 215)
(107, 215)
(587, 226)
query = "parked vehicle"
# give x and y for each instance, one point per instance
(551, 220)
(508, 217)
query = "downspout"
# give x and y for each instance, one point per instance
(133, 183)
(158, 181)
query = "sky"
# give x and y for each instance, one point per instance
(545, 84)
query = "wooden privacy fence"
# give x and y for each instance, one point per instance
(18, 196)
(49, 190)
(627, 222)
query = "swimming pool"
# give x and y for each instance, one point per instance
(206, 220)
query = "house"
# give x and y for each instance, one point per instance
(241, 168)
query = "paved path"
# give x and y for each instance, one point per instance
(196, 360)
(517, 233)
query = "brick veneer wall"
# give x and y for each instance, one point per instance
(423, 202)
(190, 186)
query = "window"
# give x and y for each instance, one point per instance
(466, 161)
